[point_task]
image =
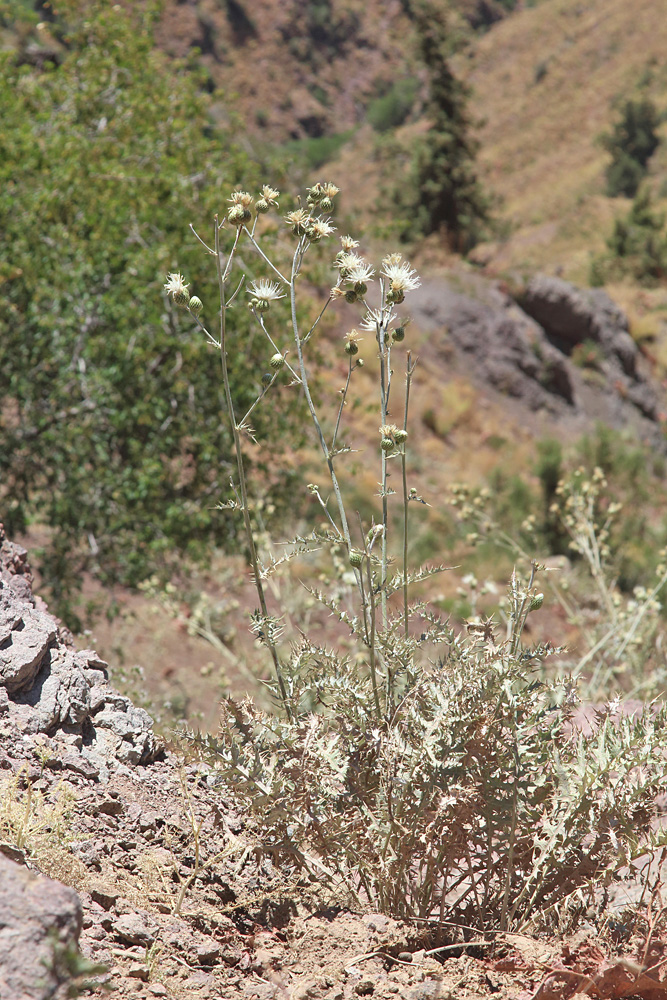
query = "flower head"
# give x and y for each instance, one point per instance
(177, 288)
(348, 243)
(263, 293)
(300, 221)
(241, 198)
(270, 195)
(352, 342)
(376, 319)
(267, 198)
(401, 277)
(345, 261)
(359, 273)
(319, 228)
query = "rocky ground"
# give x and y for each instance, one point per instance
(124, 868)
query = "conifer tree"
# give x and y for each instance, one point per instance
(449, 195)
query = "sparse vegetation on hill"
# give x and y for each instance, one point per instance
(637, 247)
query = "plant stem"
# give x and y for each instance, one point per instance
(408, 380)
(239, 459)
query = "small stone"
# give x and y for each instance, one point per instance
(73, 762)
(404, 956)
(111, 807)
(157, 989)
(13, 853)
(139, 971)
(104, 895)
(365, 988)
(133, 929)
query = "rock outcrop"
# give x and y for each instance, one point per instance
(523, 348)
(47, 686)
(570, 316)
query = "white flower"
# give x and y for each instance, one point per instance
(345, 261)
(360, 272)
(348, 243)
(319, 228)
(177, 288)
(401, 276)
(377, 318)
(300, 220)
(265, 290)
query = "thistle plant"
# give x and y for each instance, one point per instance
(427, 772)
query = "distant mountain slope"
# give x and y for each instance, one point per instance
(545, 80)
(296, 69)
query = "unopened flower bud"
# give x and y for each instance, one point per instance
(195, 305)
(536, 603)
(399, 334)
(360, 288)
(350, 295)
(400, 436)
(386, 444)
(326, 204)
(267, 378)
(356, 557)
(277, 361)
(360, 363)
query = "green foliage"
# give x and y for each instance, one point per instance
(111, 422)
(637, 246)
(631, 144)
(445, 195)
(312, 153)
(390, 110)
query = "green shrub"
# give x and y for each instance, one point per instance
(391, 110)
(311, 154)
(637, 246)
(632, 143)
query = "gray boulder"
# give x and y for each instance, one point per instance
(40, 923)
(571, 315)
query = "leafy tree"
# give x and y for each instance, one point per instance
(632, 143)
(449, 196)
(110, 423)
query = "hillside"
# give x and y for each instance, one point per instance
(546, 82)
